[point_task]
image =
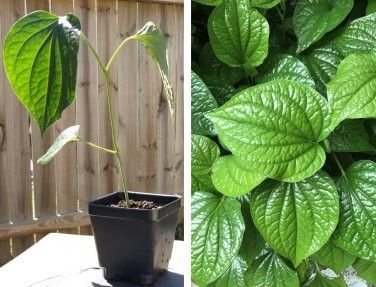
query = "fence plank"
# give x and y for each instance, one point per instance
(107, 43)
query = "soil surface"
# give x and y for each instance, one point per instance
(137, 204)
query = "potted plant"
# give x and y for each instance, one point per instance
(134, 232)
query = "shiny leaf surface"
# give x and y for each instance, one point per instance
(366, 270)
(322, 280)
(234, 276)
(264, 4)
(204, 153)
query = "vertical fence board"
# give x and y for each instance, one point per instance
(87, 107)
(107, 43)
(128, 84)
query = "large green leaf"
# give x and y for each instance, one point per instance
(321, 280)
(356, 231)
(276, 129)
(234, 276)
(350, 136)
(238, 34)
(296, 219)
(264, 4)
(334, 257)
(201, 182)
(217, 231)
(358, 37)
(351, 94)
(313, 19)
(204, 152)
(40, 59)
(270, 270)
(322, 62)
(68, 135)
(202, 101)
(366, 270)
(231, 176)
(284, 67)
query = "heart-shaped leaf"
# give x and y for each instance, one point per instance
(40, 59)
(234, 276)
(296, 219)
(276, 129)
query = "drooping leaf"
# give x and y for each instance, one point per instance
(350, 136)
(156, 46)
(351, 94)
(366, 270)
(270, 270)
(296, 219)
(371, 7)
(286, 67)
(359, 37)
(234, 276)
(204, 153)
(322, 62)
(264, 4)
(40, 59)
(217, 231)
(321, 280)
(356, 231)
(334, 257)
(275, 128)
(238, 34)
(68, 135)
(313, 19)
(202, 101)
(231, 177)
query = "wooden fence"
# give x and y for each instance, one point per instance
(35, 200)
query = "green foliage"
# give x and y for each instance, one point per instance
(295, 128)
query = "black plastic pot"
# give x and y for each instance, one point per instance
(132, 244)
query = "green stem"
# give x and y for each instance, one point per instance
(97, 146)
(117, 51)
(339, 165)
(90, 46)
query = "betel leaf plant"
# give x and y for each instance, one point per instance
(40, 60)
(283, 142)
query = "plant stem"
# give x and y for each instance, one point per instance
(339, 165)
(117, 52)
(97, 146)
(90, 46)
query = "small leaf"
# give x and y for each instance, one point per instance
(270, 270)
(234, 276)
(313, 19)
(333, 257)
(264, 4)
(204, 153)
(284, 67)
(68, 135)
(231, 177)
(276, 129)
(366, 270)
(351, 94)
(350, 136)
(217, 231)
(296, 219)
(238, 34)
(356, 231)
(371, 7)
(155, 43)
(320, 280)
(202, 101)
(40, 59)
(359, 37)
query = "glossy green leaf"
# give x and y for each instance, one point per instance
(221, 90)
(321, 280)
(204, 153)
(68, 135)
(271, 271)
(217, 231)
(371, 7)
(202, 101)
(156, 46)
(296, 219)
(238, 34)
(209, 2)
(284, 67)
(264, 4)
(276, 129)
(350, 136)
(334, 257)
(356, 231)
(234, 276)
(366, 270)
(232, 177)
(359, 37)
(201, 182)
(351, 94)
(313, 19)
(40, 59)
(322, 63)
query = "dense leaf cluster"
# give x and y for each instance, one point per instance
(284, 142)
